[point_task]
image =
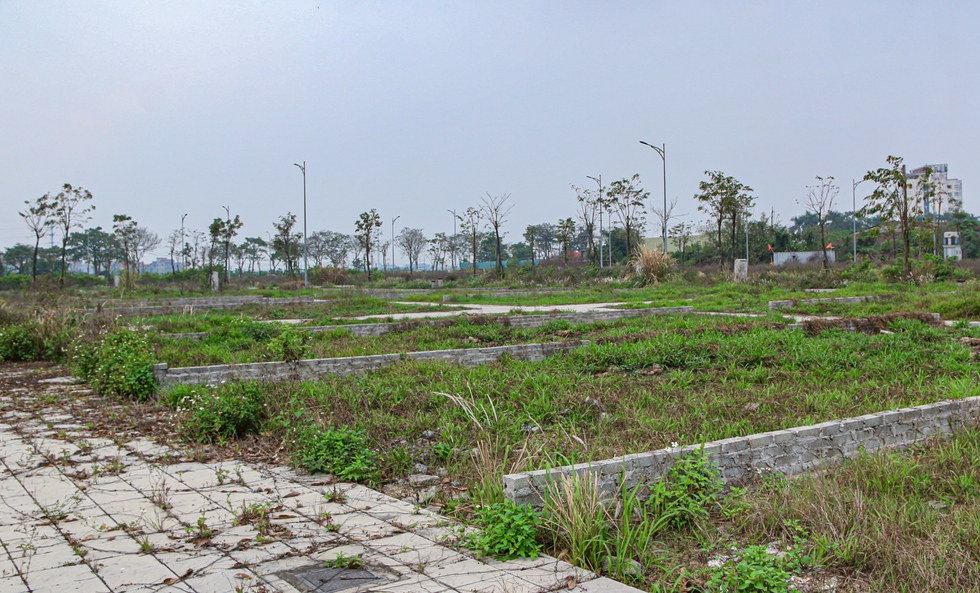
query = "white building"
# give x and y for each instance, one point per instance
(951, 246)
(947, 195)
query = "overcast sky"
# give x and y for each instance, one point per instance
(169, 107)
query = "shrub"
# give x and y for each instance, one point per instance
(20, 343)
(692, 487)
(507, 531)
(290, 345)
(342, 452)
(122, 364)
(216, 415)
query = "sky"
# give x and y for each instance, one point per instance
(162, 109)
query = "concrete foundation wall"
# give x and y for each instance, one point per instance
(789, 304)
(191, 304)
(788, 452)
(311, 370)
(362, 330)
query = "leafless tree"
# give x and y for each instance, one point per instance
(819, 199)
(470, 227)
(496, 210)
(412, 243)
(664, 217)
(39, 218)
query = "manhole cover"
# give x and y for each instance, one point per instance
(326, 580)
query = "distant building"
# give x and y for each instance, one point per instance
(160, 266)
(951, 246)
(950, 190)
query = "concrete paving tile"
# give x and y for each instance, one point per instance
(60, 577)
(134, 569)
(429, 557)
(360, 527)
(12, 584)
(198, 561)
(116, 542)
(606, 585)
(411, 584)
(256, 554)
(53, 557)
(224, 580)
(465, 572)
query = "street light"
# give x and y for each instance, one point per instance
(854, 223)
(599, 181)
(183, 252)
(306, 264)
(662, 151)
(452, 253)
(393, 241)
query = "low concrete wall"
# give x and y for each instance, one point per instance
(362, 330)
(789, 304)
(311, 370)
(788, 452)
(191, 304)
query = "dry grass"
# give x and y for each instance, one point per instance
(652, 265)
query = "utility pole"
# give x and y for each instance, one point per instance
(306, 264)
(452, 253)
(854, 184)
(662, 151)
(601, 208)
(393, 241)
(183, 249)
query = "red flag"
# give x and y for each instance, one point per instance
(830, 245)
(769, 246)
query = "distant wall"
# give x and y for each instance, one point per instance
(789, 452)
(780, 258)
(311, 370)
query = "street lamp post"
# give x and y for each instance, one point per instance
(854, 223)
(183, 251)
(662, 151)
(452, 252)
(393, 241)
(599, 181)
(306, 264)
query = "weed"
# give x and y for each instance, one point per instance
(122, 364)
(506, 531)
(145, 546)
(342, 561)
(753, 569)
(335, 496)
(221, 413)
(342, 452)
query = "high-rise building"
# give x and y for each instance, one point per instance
(945, 195)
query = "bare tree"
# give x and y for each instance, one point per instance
(820, 200)
(589, 204)
(412, 243)
(144, 241)
(664, 217)
(174, 240)
(496, 210)
(39, 218)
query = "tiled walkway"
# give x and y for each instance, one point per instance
(79, 513)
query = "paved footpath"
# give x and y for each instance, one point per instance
(80, 513)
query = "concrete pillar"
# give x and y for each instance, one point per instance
(215, 282)
(741, 270)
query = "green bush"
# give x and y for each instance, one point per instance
(506, 531)
(122, 364)
(216, 415)
(20, 343)
(290, 345)
(342, 452)
(692, 488)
